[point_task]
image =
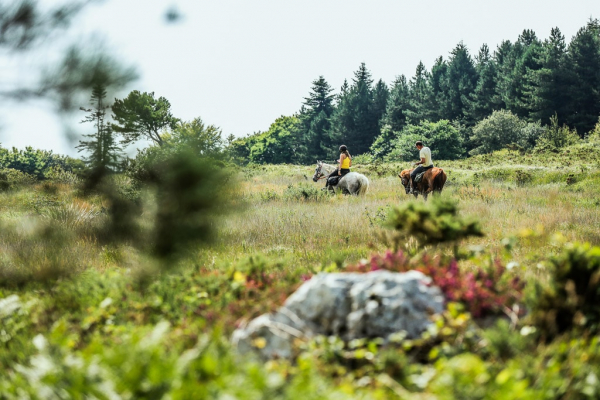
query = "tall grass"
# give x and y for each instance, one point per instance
(93, 316)
(334, 226)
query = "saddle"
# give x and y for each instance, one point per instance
(334, 180)
(419, 177)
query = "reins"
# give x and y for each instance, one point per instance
(324, 175)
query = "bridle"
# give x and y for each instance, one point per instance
(318, 174)
(405, 181)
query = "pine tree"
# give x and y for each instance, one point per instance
(366, 124)
(419, 108)
(342, 121)
(435, 100)
(140, 115)
(584, 62)
(314, 116)
(515, 72)
(103, 149)
(355, 122)
(394, 119)
(547, 91)
(320, 97)
(484, 99)
(459, 83)
(381, 94)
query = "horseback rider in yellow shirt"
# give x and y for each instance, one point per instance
(345, 162)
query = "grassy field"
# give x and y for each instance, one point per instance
(506, 197)
(82, 316)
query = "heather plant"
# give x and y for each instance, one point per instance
(482, 291)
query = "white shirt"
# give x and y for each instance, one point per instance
(426, 154)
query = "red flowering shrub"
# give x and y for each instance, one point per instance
(483, 292)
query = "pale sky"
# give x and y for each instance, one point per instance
(240, 64)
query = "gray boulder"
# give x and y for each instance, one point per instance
(348, 305)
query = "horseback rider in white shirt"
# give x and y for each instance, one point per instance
(423, 165)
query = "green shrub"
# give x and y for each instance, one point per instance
(556, 137)
(442, 137)
(304, 191)
(38, 163)
(594, 136)
(11, 179)
(432, 223)
(269, 195)
(276, 145)
(362, 159)
(523, 177)
(383, 144)
(530, 135)
(570, 300)
(59, 175)
(468, 377)
(500, 129)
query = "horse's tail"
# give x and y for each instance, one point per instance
(364, 185)
(439, 181)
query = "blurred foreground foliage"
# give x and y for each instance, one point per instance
(162, 217)
(97, 335)
(87, 308)
(437, 223)
(570, 301)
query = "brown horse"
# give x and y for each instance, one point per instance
(433, 181)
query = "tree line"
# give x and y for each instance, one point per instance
(141, 116)
(539, 85)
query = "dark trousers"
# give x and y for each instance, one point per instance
(335, 173)
(417, 171)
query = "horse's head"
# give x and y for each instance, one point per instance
(405, 178)
(318, 173)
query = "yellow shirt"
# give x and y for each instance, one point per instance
(346, 163)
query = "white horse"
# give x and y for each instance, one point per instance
(351, 183)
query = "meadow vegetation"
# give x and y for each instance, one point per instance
(86, 312)
(123, 278)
